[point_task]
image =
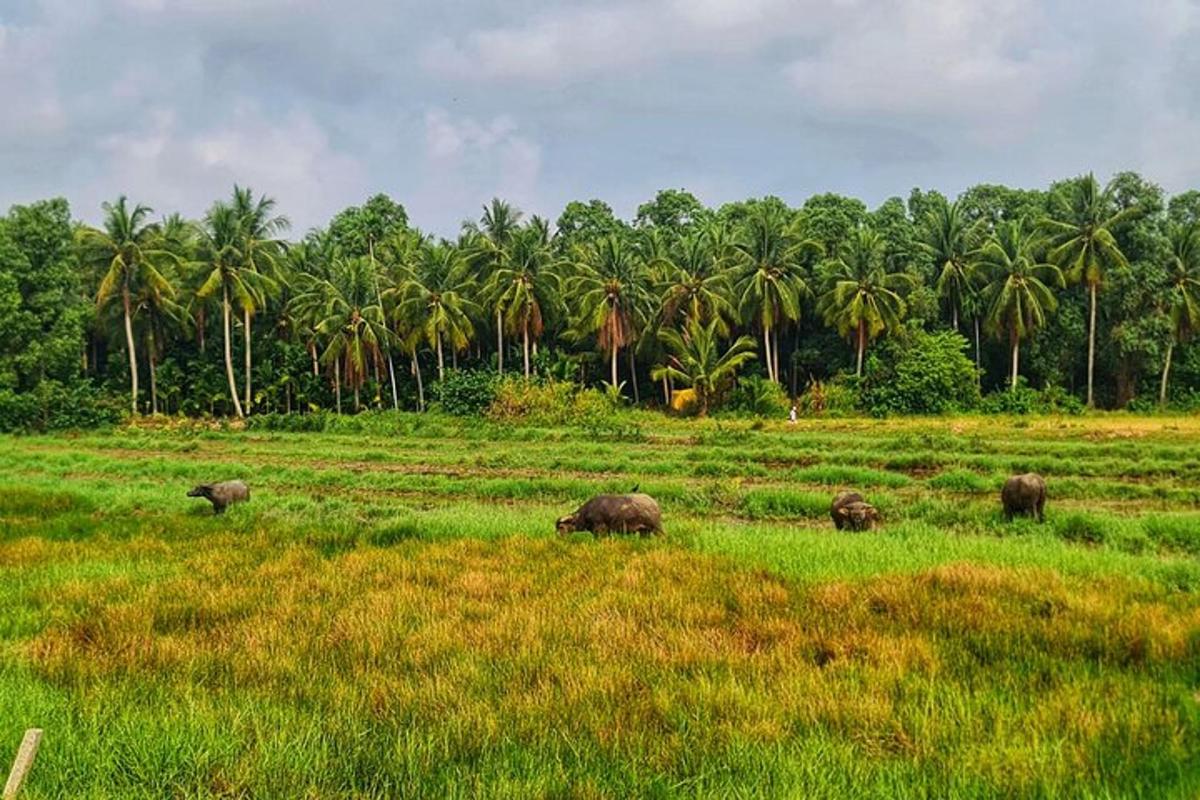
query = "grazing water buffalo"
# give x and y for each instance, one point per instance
(850, 510)
(614, 513)
(222, 494)
(1024, 494)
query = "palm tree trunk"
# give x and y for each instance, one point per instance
(454, 358)
(1016, 358)
(500, 344)
(954, 312)
(767, 352)
(246, 318)
(666, 391)
(392, 381)
(133, 374)
(977, 356)
(153, 373)
(200, 321)
(357, 404)
(441, 360)
(862, 346)
(1162, 389)
(337, 382)
(237, 406)
(775, 344)
(416, 368)
(633, 374)
(614, 367)
(1091, 402)
(525, 348)
(312, 350)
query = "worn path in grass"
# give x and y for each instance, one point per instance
(391, 615)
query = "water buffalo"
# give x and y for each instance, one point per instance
(614, 513)
(1024, 494)
(849, 510)
(222, 494)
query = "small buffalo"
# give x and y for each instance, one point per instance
(850, 510)
(222, 494)
(614, 513)
(1024, 494)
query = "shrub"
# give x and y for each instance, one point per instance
(760, 397)
(55, 406)
(832, 398)
(920, 373)
(1024, 400)
(466, 393)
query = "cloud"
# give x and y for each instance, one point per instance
(469, 161)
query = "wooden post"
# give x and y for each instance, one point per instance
(23, 763)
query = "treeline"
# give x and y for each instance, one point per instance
(1082, 291)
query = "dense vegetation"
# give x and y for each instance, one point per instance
(392, 615)
(1080, 291)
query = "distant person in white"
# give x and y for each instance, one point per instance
(792, 415)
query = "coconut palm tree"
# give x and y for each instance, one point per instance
(693, 280)
(610, 295)
(128, 249)
(352, 323)
(861, 297)
(771, 285)
(696, 360)
(1183, 300)
(1082, 244)
(218, 251)
(525, 284)
(949, 239)
(156, 304)
(434, 297)
(260, 252)
(490, 240)
(1019, 285)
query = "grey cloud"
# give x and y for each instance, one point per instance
(546, 101)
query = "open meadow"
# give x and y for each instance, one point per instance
(393, 615)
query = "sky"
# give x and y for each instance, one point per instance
(445, 105)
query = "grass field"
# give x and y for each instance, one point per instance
(392, 614)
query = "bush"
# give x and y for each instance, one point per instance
(553, 403)
(832, 398)
(53, 406)
(760, 397)
(466, 393)
(1024, 400)
(920, 373)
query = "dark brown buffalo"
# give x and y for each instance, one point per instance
(222, 494)
(1025, 495)
(614, 513)
(850, 510)
(841, 516)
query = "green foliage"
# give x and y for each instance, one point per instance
(466, 393)
(53, 406)
(920, 373)
(549, 403)
(1026, 400)
(759, 397)
(829, 398)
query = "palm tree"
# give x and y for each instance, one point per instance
(260, 253)
(1083, 245)
(351, 320)
(1017, 286)
(1183, 301)
(771, 285)
(219, 252)
(524, 284)
(693, 283)
(610, 295)
(492, 238)
(949, 239)
(127, 249)
(156, 302)
(435, 299)
(697, 361)
(861, 297)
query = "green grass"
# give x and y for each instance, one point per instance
(392, 614)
